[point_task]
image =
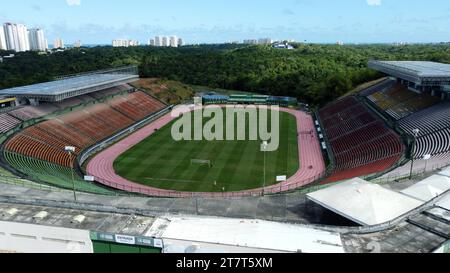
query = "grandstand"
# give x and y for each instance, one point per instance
(417, 75)
(71, 87)
(38, 151)
(77, 111)
(361, 143)
(399, 102)
(249, 99)
(417, 98)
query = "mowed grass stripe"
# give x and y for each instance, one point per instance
(161, 162)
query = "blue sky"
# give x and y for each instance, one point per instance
(321, 21)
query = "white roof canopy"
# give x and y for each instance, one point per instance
(363, 202)
(429, 188)
(254, 234)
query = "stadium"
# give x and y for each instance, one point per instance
(110, 143)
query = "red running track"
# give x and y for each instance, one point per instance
(310, 156)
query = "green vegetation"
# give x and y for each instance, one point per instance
(313, 73)
(161, 162)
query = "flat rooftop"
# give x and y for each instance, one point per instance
(363, 202)
(246, 233)
(415, 71)
(70, 87)
(64, 218)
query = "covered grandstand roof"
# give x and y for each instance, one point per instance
(256, 235)
(73, 86)
(420, 72)
(429, 188)
(363, 202)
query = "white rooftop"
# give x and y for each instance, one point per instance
(250, 234)
(421, 68)
(445, 172)
(429, 188)
(445, 202)
(363, 202)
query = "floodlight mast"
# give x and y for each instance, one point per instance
(71, 150)
(264, 146)
(415, 135)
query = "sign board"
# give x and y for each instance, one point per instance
(281, 178)
(89, 178)
(158, 243)
(124, 239)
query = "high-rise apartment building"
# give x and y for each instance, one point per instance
(180, 42)
(251, 42)
(2, 39)
(37, 40)
(16, 37)
(59, 43)
(77, 44)
(173, 42)
(165, 41)
(120, 43)
(158, 41)
(265, 41)
(133, 43)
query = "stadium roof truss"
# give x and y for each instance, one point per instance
(421, 73)
(74, 86)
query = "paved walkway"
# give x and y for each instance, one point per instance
(310, 156)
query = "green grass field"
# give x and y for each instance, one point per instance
(161, 162)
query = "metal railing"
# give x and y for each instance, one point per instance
(418, 173)
(274, 189)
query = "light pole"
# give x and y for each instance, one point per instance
(416, 134)
(71, 150)
(426, 158)
(264, 146)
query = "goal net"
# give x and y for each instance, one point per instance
(201, 162)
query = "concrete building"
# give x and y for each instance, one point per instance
(77, 44)
(265, 41)
(133, 43)
(173, 41)
(24, 41)
(151, 42)
(158, 41)
(37, 40)
(16, 37)
(59, 43)
(2, 39)
(180, 42)
(251, 42)
(120, 43)
(165, 41)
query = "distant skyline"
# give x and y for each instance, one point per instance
(206, 21)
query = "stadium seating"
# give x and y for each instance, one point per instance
(434, 133)
(39, 150)
(8, 122)
(361, 143)
(399, 102)
(54, 174)
(25, 113)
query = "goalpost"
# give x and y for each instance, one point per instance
(201, 162)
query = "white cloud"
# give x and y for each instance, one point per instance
(374, 2)
(73, 2)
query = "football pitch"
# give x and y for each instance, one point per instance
(209, 166)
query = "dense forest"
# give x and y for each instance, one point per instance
(313, 73)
